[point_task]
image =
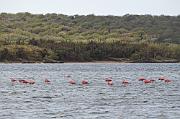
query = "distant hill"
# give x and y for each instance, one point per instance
(138, 38)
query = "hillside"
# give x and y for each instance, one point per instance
(26, 37)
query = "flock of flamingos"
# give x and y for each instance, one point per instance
(108, 80)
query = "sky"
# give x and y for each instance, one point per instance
(97, 7)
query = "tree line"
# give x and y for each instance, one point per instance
(57, 37)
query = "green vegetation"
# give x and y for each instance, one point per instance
(26, 37)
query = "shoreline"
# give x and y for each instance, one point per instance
(69, 62)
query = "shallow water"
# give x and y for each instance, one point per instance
(97, 100)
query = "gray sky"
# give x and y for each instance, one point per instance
(97, 7)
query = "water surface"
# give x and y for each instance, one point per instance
(94, 101)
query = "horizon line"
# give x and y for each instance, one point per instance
(88, 14)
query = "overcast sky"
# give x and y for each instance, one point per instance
(97, 7)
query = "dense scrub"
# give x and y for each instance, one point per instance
(50, 37)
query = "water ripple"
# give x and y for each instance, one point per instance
(96, 100)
